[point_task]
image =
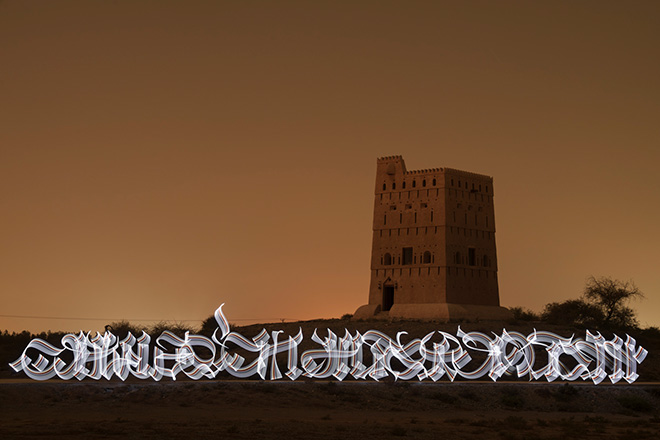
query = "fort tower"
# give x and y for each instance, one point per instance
(433, 252)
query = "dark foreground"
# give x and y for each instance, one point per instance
(329, 410)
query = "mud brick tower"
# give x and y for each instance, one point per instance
(433, 254)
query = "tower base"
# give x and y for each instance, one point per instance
(434, 311)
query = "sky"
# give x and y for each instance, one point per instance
(160, 158)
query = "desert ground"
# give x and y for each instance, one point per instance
(333, 410)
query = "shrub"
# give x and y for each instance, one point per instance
(573, 311)
(123, 327)
(177, 328)
(520, 314)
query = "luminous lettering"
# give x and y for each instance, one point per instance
(372, 355)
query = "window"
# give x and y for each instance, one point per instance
(403, 185)
(393, 185)
(427, 258)
(433, 182)
(457, 257)
(401, 217)
(485, 260)
(431, 216)
(385, 219)
(414, 184)
(424, 183)
(384, 186)
(472, 259)
(387, 259)
(407, 256)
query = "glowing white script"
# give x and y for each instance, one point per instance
(371, 355)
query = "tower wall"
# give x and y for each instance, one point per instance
(433, 239)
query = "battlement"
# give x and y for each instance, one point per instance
(430, 170)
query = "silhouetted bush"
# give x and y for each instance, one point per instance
(122, 328)
(209, 325)
(572, 312)
(603, 305)
(177, 328)
(520, 314)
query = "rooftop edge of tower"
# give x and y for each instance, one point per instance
(467, 174)
(398, 158)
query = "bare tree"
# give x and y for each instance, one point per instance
(611, 296)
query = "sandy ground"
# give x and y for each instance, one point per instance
(329, 410)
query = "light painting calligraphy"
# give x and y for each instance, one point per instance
(369, 355)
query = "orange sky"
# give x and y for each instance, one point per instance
(160, 158)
